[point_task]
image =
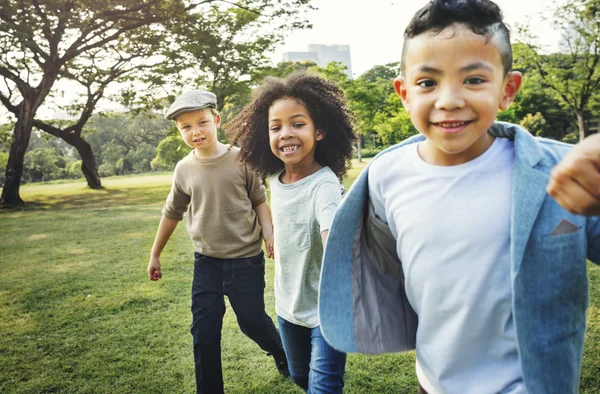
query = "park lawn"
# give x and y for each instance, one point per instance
(79, 315)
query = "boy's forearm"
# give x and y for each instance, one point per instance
(165, 230)
(264, 218)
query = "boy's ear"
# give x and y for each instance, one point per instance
(320, 135)
(400, 88)
(218, 121)
(513, 84)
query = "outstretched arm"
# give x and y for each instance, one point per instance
(575, 182)
(264, 218)
(165, 230)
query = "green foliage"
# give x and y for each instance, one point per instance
(73, 170)
(571, 138)
(380, 116)
(3, 162)
(370, 152)
(169, 152)
(393, 124)
(535, 124)
(221, 49)
(42, 164)
(571, 76)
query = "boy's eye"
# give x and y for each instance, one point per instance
(275, 128)
(298, 125)
(426, 83)
(474, 81)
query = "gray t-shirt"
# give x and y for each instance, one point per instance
(301, 212)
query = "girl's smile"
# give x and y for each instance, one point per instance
(292, 136)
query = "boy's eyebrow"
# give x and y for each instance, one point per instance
(467, 68)
(427, 69)
(476, 66)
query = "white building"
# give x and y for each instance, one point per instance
(323, 55)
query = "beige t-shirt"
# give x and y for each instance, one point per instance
(219, 195)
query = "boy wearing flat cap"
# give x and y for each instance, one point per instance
(227, 210)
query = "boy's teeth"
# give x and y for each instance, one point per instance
(288, 148)
(452, 124)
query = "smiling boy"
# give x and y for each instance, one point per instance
(226, 214)
(448, 242)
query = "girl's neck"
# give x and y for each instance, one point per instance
(295, 173)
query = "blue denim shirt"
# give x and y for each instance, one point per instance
(363, 305)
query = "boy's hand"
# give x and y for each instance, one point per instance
(269, 245)
(154, 271)
(575, 182)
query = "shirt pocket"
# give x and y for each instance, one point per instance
(298, 235)
(573, 239)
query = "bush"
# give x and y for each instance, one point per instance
(73, 170)
(106, 169)
(369, 152)
(571, 138)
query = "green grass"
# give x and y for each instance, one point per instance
(78, 314)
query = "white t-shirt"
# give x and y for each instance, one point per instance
(452, 227)
(301, 212)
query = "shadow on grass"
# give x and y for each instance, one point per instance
(104, 198)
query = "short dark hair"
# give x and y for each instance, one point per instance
(327, 107)
(482, 17)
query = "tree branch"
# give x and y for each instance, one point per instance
(45, 28)
(9, 106)
(21, 85)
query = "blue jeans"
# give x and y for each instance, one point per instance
(314, 365)
(243, 281)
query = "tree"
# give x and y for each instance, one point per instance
(392, 122)
(234, 48)
(573, 75)
(43, 164)
(368, 96)
(43, 41)
(169, 152)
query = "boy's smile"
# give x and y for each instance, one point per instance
(453, 86)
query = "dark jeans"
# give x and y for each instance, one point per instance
(243, 281)
(314, 365)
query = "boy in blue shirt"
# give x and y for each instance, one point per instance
(448, 242)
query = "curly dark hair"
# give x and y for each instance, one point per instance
(482, 17)
(327, 107)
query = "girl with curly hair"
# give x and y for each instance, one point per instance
(298, 133)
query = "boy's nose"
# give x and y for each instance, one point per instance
(449, 99)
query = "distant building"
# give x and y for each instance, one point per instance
(323, 55)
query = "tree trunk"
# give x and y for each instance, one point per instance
(88, 162)
(16, 158)
(580, 124)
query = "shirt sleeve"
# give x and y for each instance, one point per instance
(177, 200)
(327, 199)
(256, 190)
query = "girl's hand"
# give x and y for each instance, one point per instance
(269, 246)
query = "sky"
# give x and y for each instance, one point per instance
(374, 31)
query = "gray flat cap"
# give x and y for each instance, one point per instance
(190, 101)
